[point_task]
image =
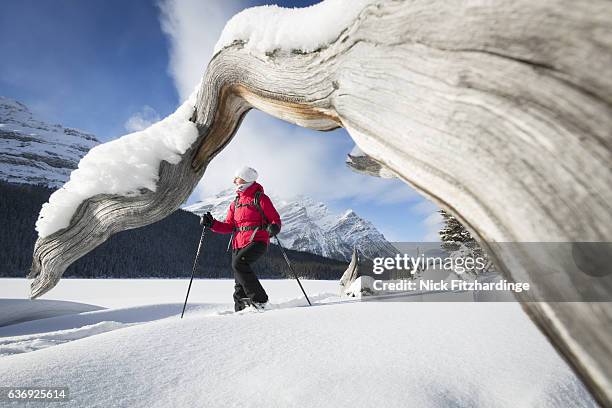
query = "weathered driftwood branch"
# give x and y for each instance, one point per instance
(499, 111)
(350, 274)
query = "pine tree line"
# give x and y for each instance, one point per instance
(161, 250)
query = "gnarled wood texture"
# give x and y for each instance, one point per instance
(499, 111)
(350, 274)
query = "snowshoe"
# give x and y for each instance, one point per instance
(257, 305)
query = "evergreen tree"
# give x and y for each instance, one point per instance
(458, 242)
(453, 233)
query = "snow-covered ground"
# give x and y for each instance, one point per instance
(137, 352)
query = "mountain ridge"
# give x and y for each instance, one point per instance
(308, 225)
(33, 151)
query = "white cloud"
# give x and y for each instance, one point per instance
(142, 120)
(292, 160)
(193, 27)
(432, 221)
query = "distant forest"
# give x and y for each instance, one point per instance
(165, 249)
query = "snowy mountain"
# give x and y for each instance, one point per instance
(309, 226)
(35, 152)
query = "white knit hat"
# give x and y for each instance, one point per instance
(246, 173)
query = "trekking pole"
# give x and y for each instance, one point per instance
(291, 269)
(195, 264)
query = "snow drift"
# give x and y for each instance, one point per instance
(335, 353)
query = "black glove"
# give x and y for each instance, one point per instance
(207, 220)
(273, 229)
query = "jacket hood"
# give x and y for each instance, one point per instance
(255, 187)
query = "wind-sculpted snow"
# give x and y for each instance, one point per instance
(33, 342)
(13, 311)
(335, 353)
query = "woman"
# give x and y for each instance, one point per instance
(252, 220)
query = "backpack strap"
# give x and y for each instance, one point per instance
(229, 244)
(264, 219)
(258, 206)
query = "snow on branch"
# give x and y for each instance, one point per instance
(125, 166)
(268, 28)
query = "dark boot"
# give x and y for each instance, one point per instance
(239, 295)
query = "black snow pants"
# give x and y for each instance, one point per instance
(246, 283)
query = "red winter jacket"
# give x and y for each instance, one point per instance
(248, 216)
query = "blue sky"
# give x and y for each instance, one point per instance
(112, 66)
